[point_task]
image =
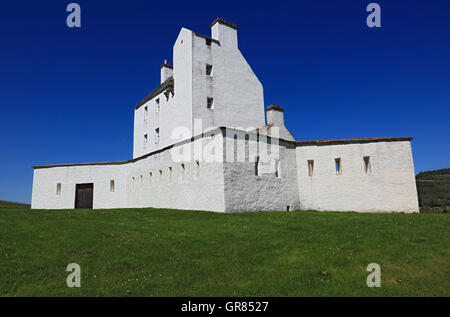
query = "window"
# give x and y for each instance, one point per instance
(145, 113)
(145, 139)
(112, 186)
(337, 164)
(310, 168)
(277, 168)
(197, 169)
(183, 169)
(208, 70)
(209, 102)
(142, 179)
(58, 189)
(132, 182)
(208, 42)
(160, 176)
(367, 166)
(156, 135)
(170, 174)
(150, 176)
(157, 110)
(256, 166)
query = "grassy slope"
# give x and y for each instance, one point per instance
(9, 204)
(433, 188)
(151, 252)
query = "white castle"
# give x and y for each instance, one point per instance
(201, 142)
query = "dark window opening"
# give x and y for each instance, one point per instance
(337, 163)
(209, 102)
(208, 70)
(367, 165)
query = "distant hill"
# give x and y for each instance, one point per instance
(9, 204)
(433, 188)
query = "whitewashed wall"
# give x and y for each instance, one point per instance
(174, 112)
(45, 181)
(390, 187)
(246, 191)
(237, 92)
(201, 188)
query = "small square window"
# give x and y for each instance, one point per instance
(210, 103)
(208, 70)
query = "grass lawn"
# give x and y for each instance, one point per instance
(155, 252)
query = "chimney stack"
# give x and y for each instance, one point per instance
(275, 117)
(166, 71)
(225, 32)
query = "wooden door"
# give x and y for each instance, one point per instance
(84, 196)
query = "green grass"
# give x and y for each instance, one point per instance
(9, 205)
(433, 188)
(151, 252)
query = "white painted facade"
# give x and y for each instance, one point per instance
(210, 107)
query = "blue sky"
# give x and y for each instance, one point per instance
(67, 95)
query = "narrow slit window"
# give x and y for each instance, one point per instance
(367, 165)
(256, 166)
(183, 169)
(208, 70)
(310, 168)
(145, 112)
(132, 182)
(145, 139)
(209, 103)
(112, 187)
(157, 105)
(278, 168)
(197, 169)
(150, 176)
(170, 175)
(160, 176)
(156, 135)
(337, 164)
(58, 189)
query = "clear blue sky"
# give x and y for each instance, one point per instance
(67, 95)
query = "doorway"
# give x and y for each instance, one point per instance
(84, 196)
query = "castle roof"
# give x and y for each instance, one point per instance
(354, 140)
(168, 84)
(222, 21)
(257, 131)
